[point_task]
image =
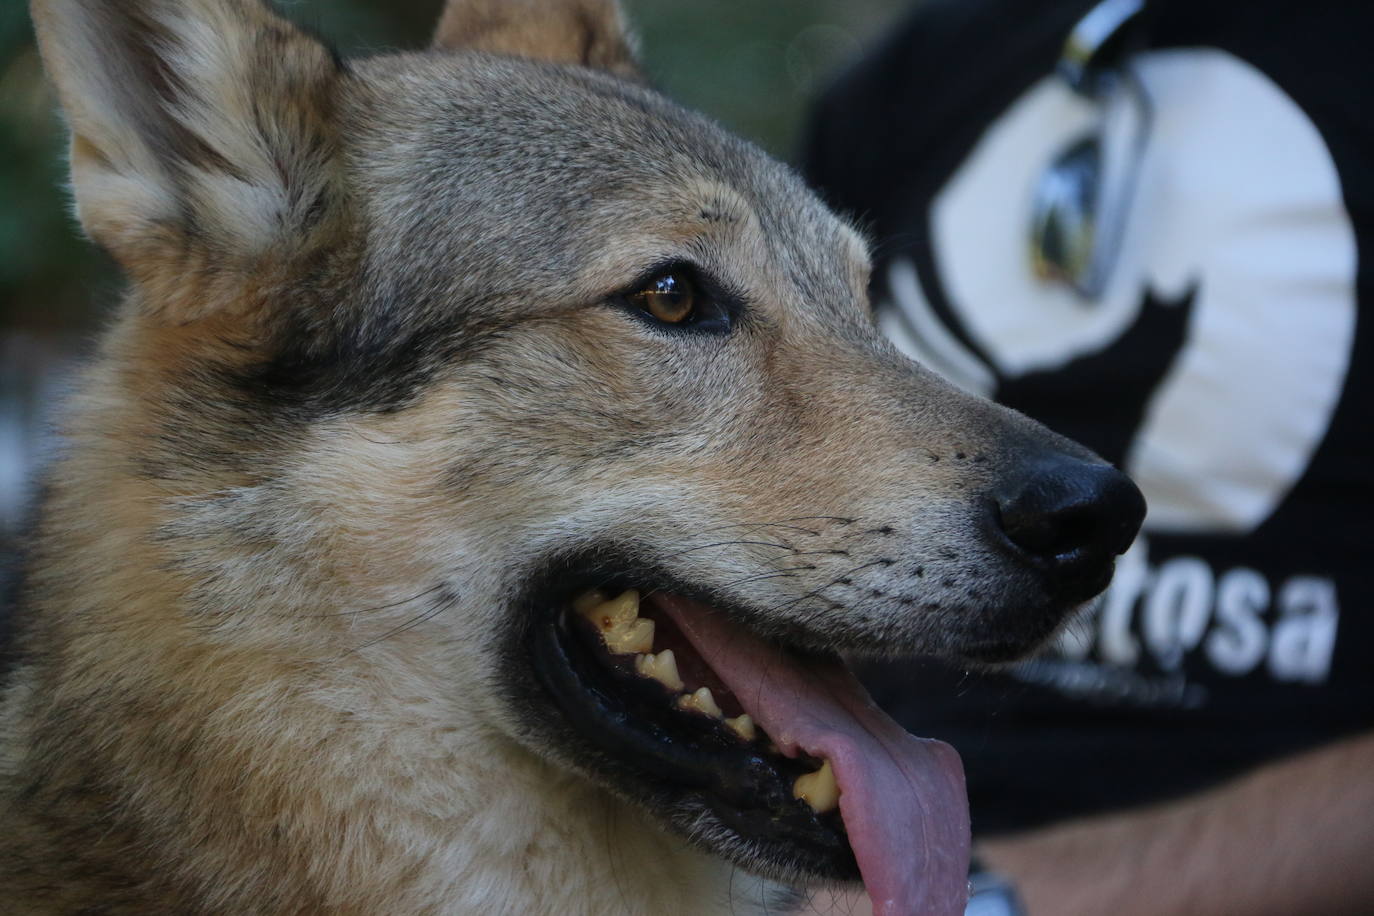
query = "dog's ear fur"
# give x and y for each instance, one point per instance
(587, 32)
(201, 143)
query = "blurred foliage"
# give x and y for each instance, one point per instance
(752, 64)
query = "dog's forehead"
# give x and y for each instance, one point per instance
(512, 156)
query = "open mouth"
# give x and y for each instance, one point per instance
(767, 755)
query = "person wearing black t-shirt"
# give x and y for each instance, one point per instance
(1150, 225)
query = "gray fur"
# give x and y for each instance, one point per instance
(374, 378)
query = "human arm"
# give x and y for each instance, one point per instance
(1295, 836)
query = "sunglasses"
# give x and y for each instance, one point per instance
(1081, 203)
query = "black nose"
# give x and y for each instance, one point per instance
(1071, 517)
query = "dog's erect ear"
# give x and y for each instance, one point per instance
(202, 149)
(587, 32)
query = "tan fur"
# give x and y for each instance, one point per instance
(250, 191)
(261, 650)
(590, 32)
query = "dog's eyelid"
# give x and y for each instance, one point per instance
(648, 275)
(718, 307)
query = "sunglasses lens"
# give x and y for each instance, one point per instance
(1063, 215)
(1082, 202)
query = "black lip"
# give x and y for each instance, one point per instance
(631, 725)
(994, 653)
(726, 797)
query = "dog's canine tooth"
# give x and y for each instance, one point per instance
(818, 789)
(742, 725)
(702, 701)
(635, 636)
(591, 598)
(661, 667)
(623, 630)
(609, 614)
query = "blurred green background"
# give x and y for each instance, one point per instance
(752, 64)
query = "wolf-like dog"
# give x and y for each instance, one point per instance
(468, 506)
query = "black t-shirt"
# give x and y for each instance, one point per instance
(1226, 366)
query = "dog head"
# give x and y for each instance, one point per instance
(450, 359)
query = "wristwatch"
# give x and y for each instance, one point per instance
(991, 894)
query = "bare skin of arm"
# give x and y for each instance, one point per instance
(1293, 837)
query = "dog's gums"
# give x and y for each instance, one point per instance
(660, 721)
(764, 752)
(624, 633)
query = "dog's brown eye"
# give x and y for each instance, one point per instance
(671, 298)
(677, 298)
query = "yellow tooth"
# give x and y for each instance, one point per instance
(583, 603)
(743, 726)
(615, 613)
(637, 635)
(661, 667)
(818, 789)
(701, 701)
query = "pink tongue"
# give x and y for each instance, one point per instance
(901, 797)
